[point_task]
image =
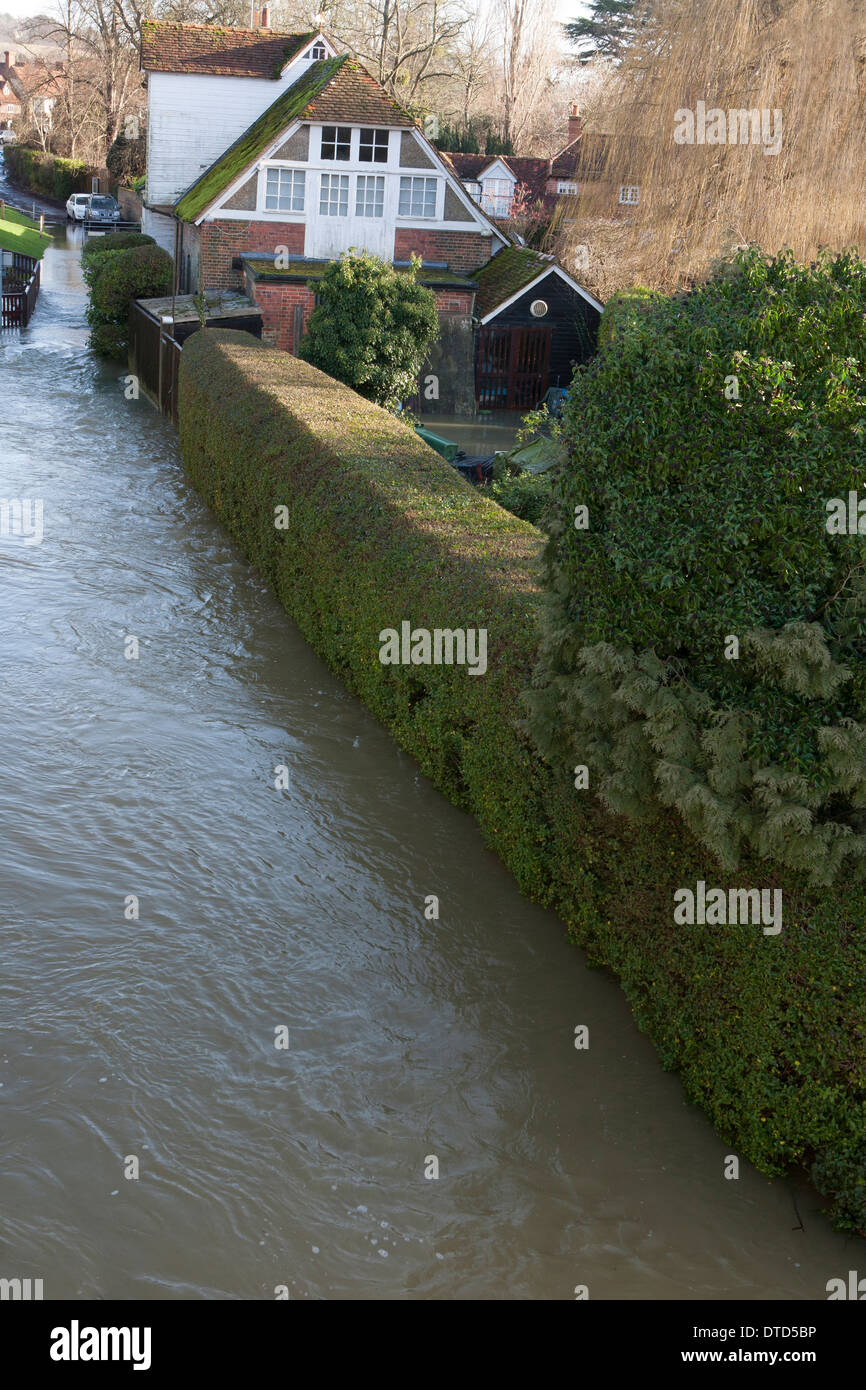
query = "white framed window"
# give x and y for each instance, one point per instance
(473, 188)
(370, 195)
(630, 193)
(373, 146)
(496, 196)
(417, 197)
(336, 141)
(566, 186)
(334, 195)
(316, 52)
(284, 190)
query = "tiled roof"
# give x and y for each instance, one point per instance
(582, 159)
(334, 89)
(33, 79)
(354, 97)
(468, 166)
(509, 271)
(206, 48)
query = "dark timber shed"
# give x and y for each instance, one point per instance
(535, 324)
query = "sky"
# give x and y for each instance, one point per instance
(563, 9)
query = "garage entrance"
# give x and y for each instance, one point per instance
(511, 367)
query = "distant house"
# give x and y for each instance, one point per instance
(10, 102)
(34, 87)
(270, 155)
(506, 186)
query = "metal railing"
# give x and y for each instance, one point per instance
(17, 305)
(92, 228)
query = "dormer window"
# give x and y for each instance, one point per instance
(496, 196)
(336, 141)
(317, 52)
(373, 147)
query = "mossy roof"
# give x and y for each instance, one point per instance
(510, 270)
(210, 48)
(24, 240)
(302, 270)
(265, 129)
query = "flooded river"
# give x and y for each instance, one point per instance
(148, 1044)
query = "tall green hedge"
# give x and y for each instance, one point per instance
(116, 278)
(46, 173)
(98, 251)
(767, 1032)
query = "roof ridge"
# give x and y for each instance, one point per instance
(226, 28)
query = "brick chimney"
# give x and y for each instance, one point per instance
(8, 57)
(266, 17)
(575, 122)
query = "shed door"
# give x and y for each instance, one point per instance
(512, 367)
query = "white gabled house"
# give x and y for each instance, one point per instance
(270, 155)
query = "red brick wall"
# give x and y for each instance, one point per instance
(453, 301)
(277, 303)
(462, 250)
(223, 240)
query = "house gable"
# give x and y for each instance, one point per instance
(513, 273)
(393, 200)
(497, 169)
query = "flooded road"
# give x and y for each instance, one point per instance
(148, 1043)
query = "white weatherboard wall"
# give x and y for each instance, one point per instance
(161, 228)
(193, 118)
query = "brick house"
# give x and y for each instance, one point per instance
(10, 100)
(499, 183)
(270, 155)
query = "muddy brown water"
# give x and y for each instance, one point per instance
(153, 1039)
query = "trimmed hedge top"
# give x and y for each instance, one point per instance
(767, 1032)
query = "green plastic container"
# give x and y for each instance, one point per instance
(446, 447)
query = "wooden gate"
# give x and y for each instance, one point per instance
(511, 367)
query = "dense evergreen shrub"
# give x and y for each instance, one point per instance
(371, 327)
(98, 251)
(127, 158)
(706, 442)
(140, 272)
(769, 1041)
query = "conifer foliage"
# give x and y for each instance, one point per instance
(706, 441)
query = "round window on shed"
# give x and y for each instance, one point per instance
(538, 308)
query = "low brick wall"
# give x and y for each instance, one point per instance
(460, 250)
(278, 304)
(223, 240)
